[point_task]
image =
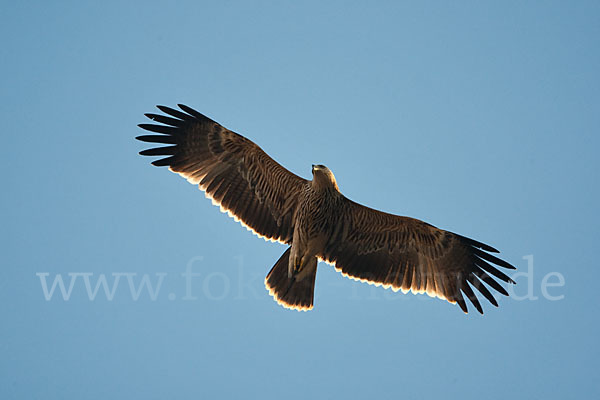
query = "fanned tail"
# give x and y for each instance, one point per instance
(290, 292)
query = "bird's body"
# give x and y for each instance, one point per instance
(318, 222)
(318, 213)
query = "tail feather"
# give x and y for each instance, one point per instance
(290, 292)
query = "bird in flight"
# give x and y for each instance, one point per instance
(317, 221)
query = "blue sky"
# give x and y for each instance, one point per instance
(481, 118)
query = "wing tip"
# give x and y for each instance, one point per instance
(163, 162)
(478, 244)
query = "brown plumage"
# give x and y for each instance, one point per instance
(317, 221)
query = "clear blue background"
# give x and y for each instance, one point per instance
(478, 117)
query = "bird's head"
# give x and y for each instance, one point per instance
(323, 177)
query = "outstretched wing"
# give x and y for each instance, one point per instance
(232, 171)
(410, 255)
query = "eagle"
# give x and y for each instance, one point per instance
(317, 222)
